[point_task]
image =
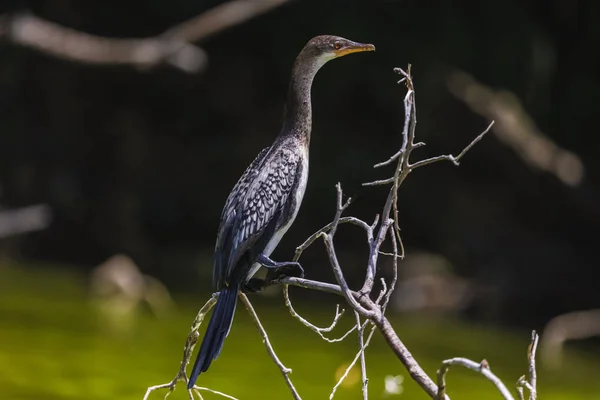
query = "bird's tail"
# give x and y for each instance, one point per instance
(217, 331)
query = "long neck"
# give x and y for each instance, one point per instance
(297, 118)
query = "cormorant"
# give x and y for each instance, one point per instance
(265, 201)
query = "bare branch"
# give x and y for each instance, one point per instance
(333, 260)
(398, 153)
(353, 363)
(389, 161)
(569, 326)
(339, 277)
(284, 370)
(483, 368)
(375, 245)
(66, 43)
(388, 295)
(450, 157)
(187, 350)
(221, 17)
(363, 364)
(532, 370)
(517, 129)
(151, 389)
(173, 47)
(24, 219)
(343, 220)
(405, 357)
(197, 389)
(379, 182)
(312, 327)
(532, 382)
(315, 285)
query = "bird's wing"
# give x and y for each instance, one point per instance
(253, 204)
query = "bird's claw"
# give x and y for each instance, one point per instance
(294, 270)
(290, 270)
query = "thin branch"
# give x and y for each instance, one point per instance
(532, 382)
(197, 389)
(395, 242)
(574, 325)
(333, 260)
(221, 17)
(450, 157)
(48, 37)
(284, 370)
(172, 47)
(379, 182)
(343, 220)
(363, 364)
(532, 370)
(353, 363)
(383, 291)
(389, 160)
(339, 276)
(151, 389)
(483, 368)
(312, 327)
(315, 285)
(375, 245)
(187, 350)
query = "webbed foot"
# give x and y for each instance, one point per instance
(281, 269)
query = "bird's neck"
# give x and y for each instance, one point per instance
(297, 119)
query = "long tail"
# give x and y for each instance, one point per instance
(217, 331)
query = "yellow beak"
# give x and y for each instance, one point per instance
(354, 48)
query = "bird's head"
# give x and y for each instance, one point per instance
(325, 48)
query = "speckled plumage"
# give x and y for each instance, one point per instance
(258, 206)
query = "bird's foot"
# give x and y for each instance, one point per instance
(281, 269)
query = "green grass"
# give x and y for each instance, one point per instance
(55, 345)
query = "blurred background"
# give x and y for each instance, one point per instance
(124, 125)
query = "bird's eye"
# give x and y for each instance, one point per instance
(337, 45)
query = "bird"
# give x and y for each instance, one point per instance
(264, 202)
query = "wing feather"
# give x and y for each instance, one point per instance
(257, 198)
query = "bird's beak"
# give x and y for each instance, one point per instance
(353, 48)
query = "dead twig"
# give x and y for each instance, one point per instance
(198, 389)
(319, 331)
(173, 47)
(353, 363)
(454, 159)
(284, 370)
(187, 350)
(483, 368)
(530, 384)
(363, 363)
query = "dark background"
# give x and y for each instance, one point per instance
(141, 162)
